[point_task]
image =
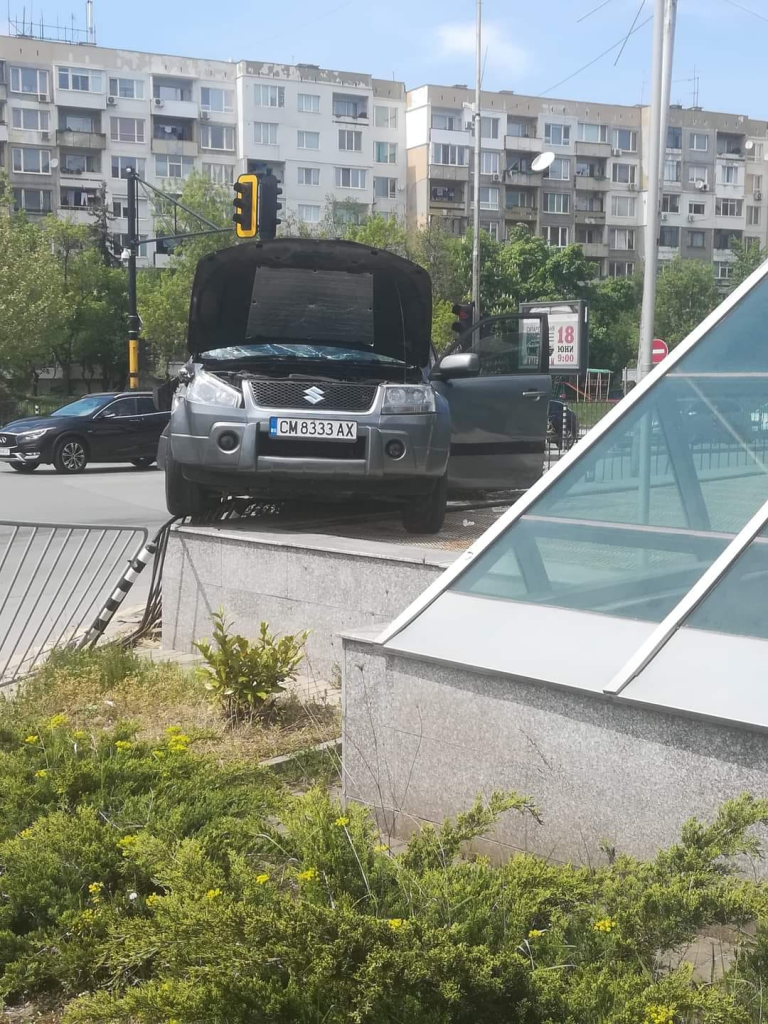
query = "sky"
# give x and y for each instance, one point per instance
(529, 47)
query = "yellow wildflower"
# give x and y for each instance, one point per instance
(123, 745)
(659, 1014)
(262, 879)
(341, 822)
(380, 848)
(607, 924)
(95, 890)
(535, 933)
(58, 721)
(212, 894)
(31, 739)
(80, 735)
(25, 833)
(395, 923)
(173, 730)
(41, 774)
(308, 875)
(126, 843)
(153, 899)
(88, 915)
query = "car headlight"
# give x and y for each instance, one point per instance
(32, 435)
(408, 398)
(206, 389)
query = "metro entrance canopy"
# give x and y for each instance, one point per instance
(638, 567)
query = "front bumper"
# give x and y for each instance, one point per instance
(21, 453)
(263, 465)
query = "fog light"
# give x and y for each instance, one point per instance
(228, 442)
(395, 449)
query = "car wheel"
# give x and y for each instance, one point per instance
(24, 467)
(427, 514)
(144, 463)
(184, 497)
(70, 456)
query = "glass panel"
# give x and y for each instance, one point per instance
(643, 513)
(737, 604)
(504, 346)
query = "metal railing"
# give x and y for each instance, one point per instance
(53, 580)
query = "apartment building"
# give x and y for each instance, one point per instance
(595, 191)
(75, 117)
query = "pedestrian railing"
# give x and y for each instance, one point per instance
(55, 581)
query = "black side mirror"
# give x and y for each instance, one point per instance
(456, 366)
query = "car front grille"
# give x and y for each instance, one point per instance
(306, 394)
(7, 440)
(312, 448)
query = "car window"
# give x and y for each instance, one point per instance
(82, 407)
(146, 405)
(123, 407)
(505, 346)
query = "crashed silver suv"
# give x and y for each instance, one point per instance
(311, 374)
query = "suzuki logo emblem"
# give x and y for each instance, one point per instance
(314, 395)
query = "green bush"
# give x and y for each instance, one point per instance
(246, 676)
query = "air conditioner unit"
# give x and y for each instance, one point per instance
(204, 115)
(45, 136)
(158, 102)
(758, 195)
(496, 177)
(691, 218)
(632, 186)
(664, 216)
(617, 152)
(111, 101)
(42, 98)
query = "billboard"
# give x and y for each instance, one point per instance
(568, 334)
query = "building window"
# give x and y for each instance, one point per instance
(220, 174)
(175, 89)
(723, 271)
(592, 132)
(559, 169)
(621, 269)
(699, 142)
(221, 101)
(757, 151)
(80, 80)
(78, 123)
(265, 133)
(350, 177)
(493, 230)
(217, 136)
(174, 166)
(386, 188)
(309, 214)
(307, 140)
(670, 203)
(557, 202)
(624, 174)
(308, 103)
(80, 163)
(518, 197)
(669, 238)
(35, 200)
(753, 215)
(589, 236)
(121, 242)
(696, 239)
(443, 193)
(752, 243)
(180, 130)
(385, 117)
(557, 134)
(489, 198)
(622, 238)
(121, 165)
(729, 174)
(624, 206)
(127, 88)
(589, 203)
(696, 172)
(31, 161)
(489, 162)
(728, 207)
(624, 139)
(349, 106)
(556, 236)
(119, 207)
(385, 152)
(126, 129)
(448, 122)
(725, 239)
(29, 80)
(449, 156)
(350, 141)
(269, 95)
(309, 175)
(674, 138)
(697, 209)
(30, 120)
(754, 183)
(519, 129)
(489, 127)
(672, 170)
(590, 169)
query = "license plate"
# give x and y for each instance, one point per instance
(5, 451)
(329, 430)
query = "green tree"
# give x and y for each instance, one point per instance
(748, 259)
(614, 322)
(686, 293)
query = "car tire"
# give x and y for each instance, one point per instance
(427, 514)
(70, 456)
(184, 497)
(24, 467)
(144, 463)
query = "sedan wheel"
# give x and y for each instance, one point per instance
(70, 456)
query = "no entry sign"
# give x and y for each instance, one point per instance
(659, 350)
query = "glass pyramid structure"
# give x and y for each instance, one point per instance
(638, 567)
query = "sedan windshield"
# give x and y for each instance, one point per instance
(273, 350)
(83, 406)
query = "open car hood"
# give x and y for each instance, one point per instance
(312, 290)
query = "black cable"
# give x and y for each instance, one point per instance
(599, 57)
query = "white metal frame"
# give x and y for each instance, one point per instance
(576, 453)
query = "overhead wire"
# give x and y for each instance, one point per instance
(599, 57)
(747, 10)
(639, 12)
(593, 11)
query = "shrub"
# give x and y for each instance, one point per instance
(246, 676)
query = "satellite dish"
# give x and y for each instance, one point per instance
(749, 145)
(542, 161)
(699, 184)
(54, 163)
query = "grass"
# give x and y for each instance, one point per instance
(97, 689)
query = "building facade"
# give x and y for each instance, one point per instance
(75, 117)
(595, 191)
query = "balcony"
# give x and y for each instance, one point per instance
(3, 132)
(3, 92)
(444, 172)
(588, 183)
(453, 200)
(81, 140)
(175, 147)
(598, 149)
(523, 144)
(76, 215)
(74, 99)
(594, 250)
(589, 216)
(521, 213)
(86, 174)
(529, 179)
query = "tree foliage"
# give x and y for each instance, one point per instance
(686, 293)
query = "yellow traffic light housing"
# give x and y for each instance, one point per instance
(246, 205)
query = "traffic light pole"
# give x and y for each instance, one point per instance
(133, 312)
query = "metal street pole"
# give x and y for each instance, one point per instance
(478, 130)
(133, 313)
(668, 56)
(644, 363)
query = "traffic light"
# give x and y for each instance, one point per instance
(269, 190)
(464, 311)
(246, 203)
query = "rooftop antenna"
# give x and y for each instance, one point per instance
(90, 31)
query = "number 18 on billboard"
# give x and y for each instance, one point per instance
(568, 334)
